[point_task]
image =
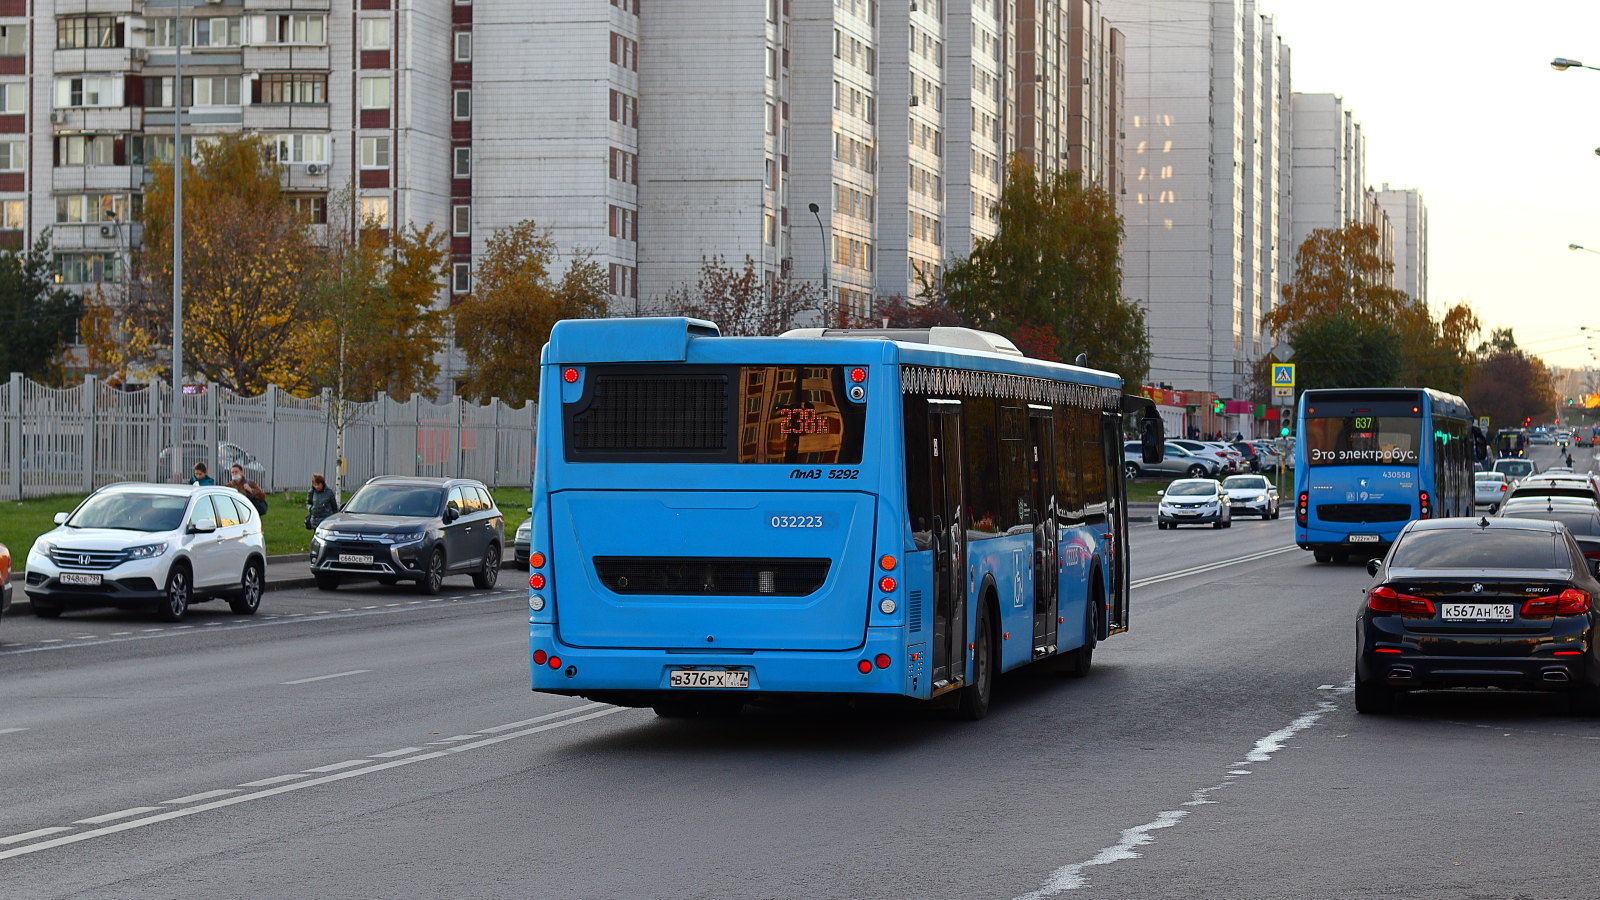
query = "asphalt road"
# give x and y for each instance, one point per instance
(341, 746)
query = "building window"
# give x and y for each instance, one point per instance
(624, 223)
(461, 278)
(463, 104)
(85, 150)
(299, 88)
(624, 166)
(770, 229)
(375, 33)
(624, 109)
(87, 32)
(463, 167)
(13, 40)
(211, 90)
(85, 91)
(375, 152)
(302, 148)
(13, 97)
(461, 220)
(13, 156)
(375, 92)
(463, 46)
(87, 268)
(214, 32)
(313, 208)
(624, 52)
(375, 212)
(296, 28)
(624, 281)
(87, 209)
(12, 214)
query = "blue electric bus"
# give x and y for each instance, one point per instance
(886, 513)
(1369, 460)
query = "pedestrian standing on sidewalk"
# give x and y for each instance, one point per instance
(200, 475)
(252, 491)
(320, 502)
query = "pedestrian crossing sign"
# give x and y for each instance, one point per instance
(1283, 375)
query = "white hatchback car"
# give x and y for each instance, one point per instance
(150, 545)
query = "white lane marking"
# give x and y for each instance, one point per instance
(514, 725)
(30, 835)
(276, 779)
(593, 713)
(326, 677)
(1071, 877)
(196, 798)
(451, 740)
(1208, 567)
(121, 814)
(149, 630)
(11, 730)
(120, 633)
(393, 753)
(334, 767)
(257, 622)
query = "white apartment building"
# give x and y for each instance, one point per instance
(1206, 102)
(1329, 165)
(1409, 217)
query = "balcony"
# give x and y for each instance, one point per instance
(286, 117)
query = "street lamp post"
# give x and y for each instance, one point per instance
(822, 235)
(1561, 64)
(177, 243)
(1581, 247)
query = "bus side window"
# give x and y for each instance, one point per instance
(919, 478)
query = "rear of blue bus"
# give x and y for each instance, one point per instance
(1362, 470)
(710, 518)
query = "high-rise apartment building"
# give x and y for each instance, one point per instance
(1330, 159)
(1409, 217)
(1206, 102)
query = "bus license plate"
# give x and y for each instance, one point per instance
(1363, 539)
(1476, 612)
(362, 559)
(708, 678)
(78, 578)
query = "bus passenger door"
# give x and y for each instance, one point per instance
(949, 544)
(1116, 523)
(1046, 535)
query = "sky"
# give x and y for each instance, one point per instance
(1457, 99)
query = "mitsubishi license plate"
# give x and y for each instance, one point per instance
(708, 678)
(1477, 612)
(79, 578)
(360, 558)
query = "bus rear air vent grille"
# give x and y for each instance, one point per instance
(914, 612)
(653, 414)
(1364, 512)
(711, 576)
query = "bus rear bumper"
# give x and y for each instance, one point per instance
(642, 677)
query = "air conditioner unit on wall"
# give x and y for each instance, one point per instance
(315, 168)
(58, 117)
(105, 231)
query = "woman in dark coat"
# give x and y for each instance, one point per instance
(320, 502)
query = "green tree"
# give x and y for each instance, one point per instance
(1336, 350)
(249, 275)
(39, 317)
(1054, 264)
(515, 301)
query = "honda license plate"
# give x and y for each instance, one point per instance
(361, 558)
(1477, 612)
(79, 578)
(708, 678)
(1363, 539)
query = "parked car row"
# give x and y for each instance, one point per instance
(1201, 459)
(167, 546)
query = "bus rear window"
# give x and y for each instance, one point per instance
(1361, 439)
(790, 415)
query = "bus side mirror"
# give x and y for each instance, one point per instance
(1152, 438)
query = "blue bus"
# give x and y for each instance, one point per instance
(1369, 460)
(864, 514)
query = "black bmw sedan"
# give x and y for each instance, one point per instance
(1460, 602)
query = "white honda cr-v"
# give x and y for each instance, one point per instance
(150, 545)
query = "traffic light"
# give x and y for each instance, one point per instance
(1569, 401)
(1217, 406)
(1528, 421)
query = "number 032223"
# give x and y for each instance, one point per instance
(795, 521)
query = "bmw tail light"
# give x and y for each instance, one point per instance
(1386, 599)
(1569, 602)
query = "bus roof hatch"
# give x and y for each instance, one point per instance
(645, 339)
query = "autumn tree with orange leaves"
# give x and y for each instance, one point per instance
(1350, 328)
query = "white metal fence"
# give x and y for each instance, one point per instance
(73, 440)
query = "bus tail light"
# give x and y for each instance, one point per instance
(1301, 507)
(888, 563)
(536, 581)
(886, 584)
(555, 662)
(1386, 599)
(536, 560)
(1569, 602)
(858, 375)
(881, 660)
(1424, 501)
(539, 656)
(864, 667)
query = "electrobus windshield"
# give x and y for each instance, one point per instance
(1363, 439)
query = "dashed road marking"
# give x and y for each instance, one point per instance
(196, 798)
(30, 835)
(326, 677)
(11, 730)
(390, 754)
(334, 767)
(120, 814)
(276, 779)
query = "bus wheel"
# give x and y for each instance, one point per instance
(1079, 660)
(1322, 556)
(974, 703)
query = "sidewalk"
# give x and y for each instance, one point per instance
(284, 572)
